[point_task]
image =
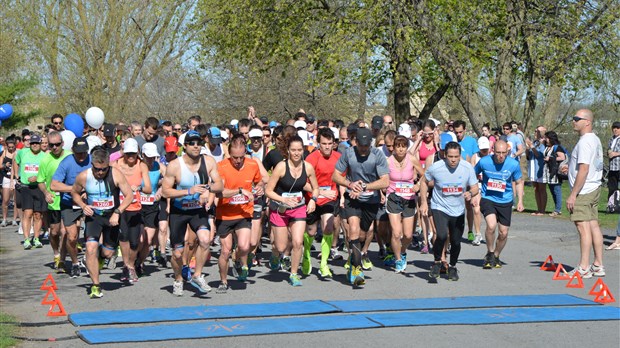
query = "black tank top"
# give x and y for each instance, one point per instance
(7, 166)
(289, 184)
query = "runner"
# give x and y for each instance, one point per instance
(62, 182)
(452, 180)
(136, 174)
(324, 161)
(102, 185)
(498, 174)
(288, 212)
(428, 147)
(47, 168)
(242, 181)
(8, 184)
(187, 182)
(484, 146)
(150, 136)
(366, 172)
(401, 200)
(151, 205)
(26, 165)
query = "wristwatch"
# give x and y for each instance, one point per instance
(364, 186)
(117, 211)
(314, 199)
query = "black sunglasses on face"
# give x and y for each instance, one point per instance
(100, 170)
(55, 144)
(194, 143)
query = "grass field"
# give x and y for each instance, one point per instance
(609, 221)
(7, 330)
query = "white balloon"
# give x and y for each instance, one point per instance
(67, 138)
(94, 117)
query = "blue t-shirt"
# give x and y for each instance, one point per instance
(515, 140)
(497, 178)
(469, 146)
(450, 185)
(67, 171)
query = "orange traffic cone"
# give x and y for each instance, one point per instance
(46, 286)
(599, 284)
(548, 265)
(560, 273)
(61, 309)
(603, 295)
(579, 284)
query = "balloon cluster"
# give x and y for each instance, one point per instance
(74, 122)
(6, 110)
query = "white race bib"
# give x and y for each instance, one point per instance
(404, 189)
(31, 168)
(496, 185)
(324, 188)
(121, 198)
(147, 199)
(452, 190)
(297, 195)
(239, 199)
(106, 203)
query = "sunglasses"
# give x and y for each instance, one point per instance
(57, 123)
(26, 139)
(55, 144)
(506, 128)
(256, 139)
(100, 170)
(577, 118)
(194, 143)
(177, 129)
(266, 135)
(387, 122)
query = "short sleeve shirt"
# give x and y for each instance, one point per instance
(450, 186)
(28, 164)
(497, 178)
(469, 146)
(47, 168)
(588, 151)
(365, 168)
(67, 171)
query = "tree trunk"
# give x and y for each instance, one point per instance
(432, 102)
(401, 90)
(552, 106)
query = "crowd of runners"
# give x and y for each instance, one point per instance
(173, 193)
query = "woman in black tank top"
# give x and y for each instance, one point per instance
(288, 206)
(8, 186)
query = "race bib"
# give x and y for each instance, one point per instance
(324, 188)
(496, 185)
(121, 198)
(452, 190)
(239, 199)
(404, 189)
(105, 203)
(31, 168)
(187, 204)
(297, 195)
(147, 199)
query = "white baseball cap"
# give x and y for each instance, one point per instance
(299, 124)
(149, 150)
(405, 130)
(130, 146)
(336, 132)
(255, 133)
(484, 143)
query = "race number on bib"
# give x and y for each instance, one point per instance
(239, 199)
(452, 190)
(297, 195)
(324, 188)
(404, 188)
(31, 168)
(147, 199)
(103, 203)
(121, 198)
(496, 185)
(190, 204)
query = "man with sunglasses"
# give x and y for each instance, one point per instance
(585, 171)
(57, 122)
(387, 121)
(33, 203)
(47, 168)
(516, 145)
(102, 185)
(62, 182)
(188, 182)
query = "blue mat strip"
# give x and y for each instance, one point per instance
(210, 329)
(201, 312)
(228, 328)
(459, 302)
(496, 316)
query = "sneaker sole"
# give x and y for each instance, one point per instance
(199, 287)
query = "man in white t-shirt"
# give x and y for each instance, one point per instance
(585, 170)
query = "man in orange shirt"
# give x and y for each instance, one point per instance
(242, 181)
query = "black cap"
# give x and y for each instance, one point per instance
(377, 122)
(352, 128)
(310, 119)
(364, 137)
(109, 130)
(616, 125)
(264, 120)
(79, 145)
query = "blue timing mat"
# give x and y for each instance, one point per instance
(208, 329)
(353, 306)
(201, 312)
(496, 316)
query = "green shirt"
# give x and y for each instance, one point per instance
(28, 164)
(47, 168)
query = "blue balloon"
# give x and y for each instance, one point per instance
(6, 111)
(75, 124)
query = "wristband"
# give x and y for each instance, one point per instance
(188, 191)
(117, 211)
(314, 199)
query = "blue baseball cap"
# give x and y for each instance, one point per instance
(215, 135)
(273, 124)
(444, 139)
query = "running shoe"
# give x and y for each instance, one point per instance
(95, 291)
(489, 261)
(200, 284)
(325, 272)
(186, 273)
(389, 261)
(3, 223)
(470, 236)
(306, 266)
(251, 257)
(400, 266)
(435, 268)
(216, 240)
(477, 239)
(453, 274)
(139, 269)
(350, 276)
(59, 265)
(359, 276)
(585, 273)
(14, 223)
(286, 263)
(177, 288)
(597, 271)
(20, 230)
(75, 271)
(27, 244)
(274, 262)
(111, 262)
(366, 263)
(347, 265)
(294, 279)
(424, 249)
(222, 289)
(125, 274)
(335, 255)
(243, 274)
(496, 262)
(236, 269)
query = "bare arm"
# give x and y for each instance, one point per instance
(123, 185)
(148, 186)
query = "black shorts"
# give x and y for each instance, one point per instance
(367, 212)
(179, 219)
(98, 224)
(315, 216)
(33, 199)
(131, 225)
(150, 214)
(382, 213)
(502, 211)
(53, 217)
(163, 214)
(399, 205)
(224, 227)
(70, 216)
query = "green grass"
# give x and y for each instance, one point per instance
(7, 330)
(609, 221)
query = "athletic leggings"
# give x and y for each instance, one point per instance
(445, 223)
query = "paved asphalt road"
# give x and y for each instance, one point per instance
(531, 240)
